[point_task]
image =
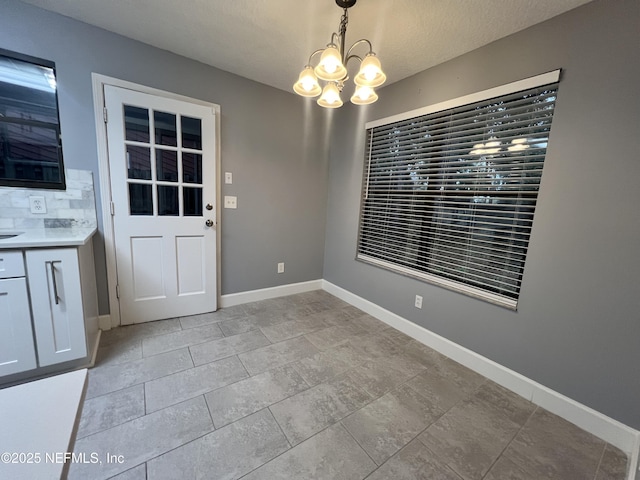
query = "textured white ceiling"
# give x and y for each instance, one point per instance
(270, 40)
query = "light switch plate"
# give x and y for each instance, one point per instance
(37, 204)
(230, 202)
(228, 178)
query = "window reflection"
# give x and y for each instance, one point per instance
(30, 147)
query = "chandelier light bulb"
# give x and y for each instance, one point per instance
(307, 84)
(330, 67)
(330, 97)
(364, 96)
(370, 74)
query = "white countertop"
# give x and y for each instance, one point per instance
(47, 237)
(38, 425)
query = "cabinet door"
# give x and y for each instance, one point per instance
(56, 303)
(17, 352)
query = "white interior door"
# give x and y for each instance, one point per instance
(162, 155)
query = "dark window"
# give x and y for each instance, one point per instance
(30, 141)
(449, 196)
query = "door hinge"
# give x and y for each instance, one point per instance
(112, 207)
(117, 291)
(104, 114)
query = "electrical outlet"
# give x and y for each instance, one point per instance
(37, 204)
(281, 267)
(230, 202)
(418, 303)
(228, 178)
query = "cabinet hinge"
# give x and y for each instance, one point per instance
(112, 207)
(117, 291)
(104, 114)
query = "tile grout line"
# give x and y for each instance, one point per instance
(361, 447)
(175, 448)
(146, 415)
(604, 449)
(244, 367)
(279, 426)
(511, 441)
(144, 398)
(204, 397)
(184, 346)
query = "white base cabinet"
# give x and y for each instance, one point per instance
(48, 312)
(56, 303)
(17, 350)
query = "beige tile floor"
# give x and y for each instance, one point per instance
(309, 387)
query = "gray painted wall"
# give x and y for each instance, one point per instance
(279, 168)
(578, 320)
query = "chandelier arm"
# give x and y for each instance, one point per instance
(350, 57)
(362, 40)
(320, 50)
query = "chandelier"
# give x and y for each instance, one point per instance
(333, 71)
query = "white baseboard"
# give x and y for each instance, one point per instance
(611, 431)
(104, 322)
(233, 299)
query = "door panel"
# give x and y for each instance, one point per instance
(146, 271)
(191, 275)
(162, 155)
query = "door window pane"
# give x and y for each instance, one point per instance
(167, 200)
(166, 165)
(136, 124)
(191, 133)
(139, 162)
(140, 199)
(191, 167)
(192, 199)
(165, 125)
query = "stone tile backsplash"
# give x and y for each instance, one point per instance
(73, 207)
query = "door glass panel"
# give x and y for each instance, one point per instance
(191, 133)
(139, 162)
(191, 167)
(140, 199)
(167, 200)
(165, 124)
(166, 165)
(136, 124)
(192, 199)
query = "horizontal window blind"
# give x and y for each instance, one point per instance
(449, 196)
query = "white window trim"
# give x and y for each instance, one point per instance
(507, 89)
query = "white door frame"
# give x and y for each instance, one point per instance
(98, 82)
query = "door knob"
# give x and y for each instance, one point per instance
(209, 223)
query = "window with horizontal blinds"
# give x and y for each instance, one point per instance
(449, 196)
